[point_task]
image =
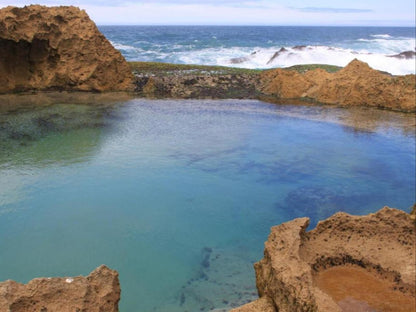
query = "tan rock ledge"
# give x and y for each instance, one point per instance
(357, 84)
(347, 263)
(99, 291)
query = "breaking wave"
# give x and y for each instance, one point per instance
(395, 55)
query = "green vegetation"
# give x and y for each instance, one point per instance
(162, 69)
(167, 69)
(304, 68)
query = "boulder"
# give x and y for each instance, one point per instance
(357, 84)
(347, 263)
(99, 291)
(57, 48)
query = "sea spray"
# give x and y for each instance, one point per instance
(255, 47)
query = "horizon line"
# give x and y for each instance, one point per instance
(251, 25)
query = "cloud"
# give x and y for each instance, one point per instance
(116, 3)
(332, 10)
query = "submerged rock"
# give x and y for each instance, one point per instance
(57, 48)
(340, 265)
(99, 291)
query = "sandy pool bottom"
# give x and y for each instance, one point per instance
(357, 290)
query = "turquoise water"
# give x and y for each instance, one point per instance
(179, 196)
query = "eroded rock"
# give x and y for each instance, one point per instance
(99, 291)
(336, 266)
(192, 86)
(57, 48)
(357, 84)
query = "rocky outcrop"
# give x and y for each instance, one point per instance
(188, 85)
(57, 48)
(347, 263)
(99, 291)
(355, 85)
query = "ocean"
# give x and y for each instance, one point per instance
(255, 46)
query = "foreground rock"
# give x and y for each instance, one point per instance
(99, 291)
(57, 48)
(355, 85)
(347, 263)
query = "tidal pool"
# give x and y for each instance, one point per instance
(179, 196)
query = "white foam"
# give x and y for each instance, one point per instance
(309, 55)
(393, 45)
(381, 36)
(124, 47)
(376, 52)
(341, 57)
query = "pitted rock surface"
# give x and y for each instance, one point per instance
(99, 291)
(379, 248)
(357, 84)
(57, 48)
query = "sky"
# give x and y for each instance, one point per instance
(241, 12)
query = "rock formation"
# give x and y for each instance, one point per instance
(192, 86)
(355, 85)
(347, 263)
(99, 291)
(57, 48)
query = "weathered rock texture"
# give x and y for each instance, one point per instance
(58, 48)
(188, 85)
(380, 244)
(98, 292)
(357, 84)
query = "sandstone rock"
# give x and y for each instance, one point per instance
(356, 84)
(58, 48)
(335, 266)
(264, 304)
(99, 291)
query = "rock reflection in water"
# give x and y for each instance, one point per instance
(30, 124)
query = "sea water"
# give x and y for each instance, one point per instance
(179, 196)
(255, 46)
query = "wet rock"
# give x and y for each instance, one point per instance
(57, 48)
(239, 60)
(299, 47)
(204, 85)
(405, 55)
(99, 291)
(277, 54)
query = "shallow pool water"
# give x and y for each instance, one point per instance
(179, 196)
